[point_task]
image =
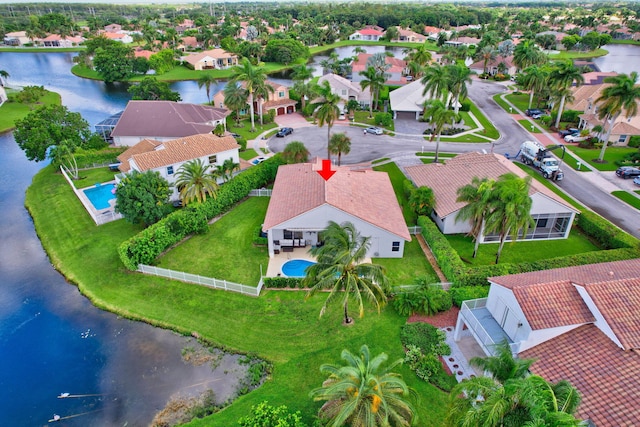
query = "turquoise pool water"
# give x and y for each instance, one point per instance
(100, 195)
(296, 267)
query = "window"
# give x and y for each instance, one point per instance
(213, 159)
(395, 246)
(288, 234)
(561, 224)
(542, 223)
(622, 138)
(169, 170)
(344, 92)
(281, 94)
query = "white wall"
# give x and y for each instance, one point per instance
(601, 323)
(451, 226)
(498, 298)
(541, 204)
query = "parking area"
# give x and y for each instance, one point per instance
(293, 120)
(407, 123)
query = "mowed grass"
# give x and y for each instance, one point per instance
(403, 271)
(279, 326)
(611, 156)
(490, 130)
(397, 181)
(248, 154)
(12, 110)
(628, 198)
(516, 252)
(226, 251)
(533, 128)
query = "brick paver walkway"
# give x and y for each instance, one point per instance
(427, 253)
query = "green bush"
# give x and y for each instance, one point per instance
(465, 105)
(606, 234)
(383, 119)
(634, 141)
(428, 338)
(89, 158)
(258, 239)
(282, 282)
(424, 365)
(464, 293)
(447, 258)
(144, 247)
(242, 143)
(570, 116)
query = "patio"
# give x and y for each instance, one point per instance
(274, 268)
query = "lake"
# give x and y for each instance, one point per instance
(622, 58)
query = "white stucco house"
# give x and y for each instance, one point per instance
(368, 34)
(213, 59)
(303, 203)
(164, 121)
(347, 90)
(167, 157)
(552, 215)
(408, 101)
(580, 324)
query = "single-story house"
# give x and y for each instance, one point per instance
(347, 90)
(303, 202)
(368, 34)
(580, 324)
(55, 40)
(396, 71)
(190, 43)
(167, 157)
(552, 215)
(463, 41)
(408, 101)
(214, 59)
(408, 35)
(119, 37)
(165, 120)
(277, 100)
(113, 28)
(16, 38)
(497, 65)
(433, 32)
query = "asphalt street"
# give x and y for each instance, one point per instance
(368, 147)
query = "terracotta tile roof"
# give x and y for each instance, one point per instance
(360, 64)
(279, 103)
(605, 375)
(167, 119)
(183, 149)
(365, 194)
(144, 146)
(369, 32)
(194, 58)
(460, 170)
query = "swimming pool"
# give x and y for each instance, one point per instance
(296, 267)
(100, 195)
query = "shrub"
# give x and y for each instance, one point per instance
(282, 282)
(634, 141)
(383, 119)
(424, 365)
(465, 105)
(500, 77)
(464, 293)
(259, 239)
(429, 339)
(606, 234)
(570, 116)
(242, 143)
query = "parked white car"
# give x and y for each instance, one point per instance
(576, 138)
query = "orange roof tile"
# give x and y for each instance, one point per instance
(144, 146)
(365, 194)
(604, 374)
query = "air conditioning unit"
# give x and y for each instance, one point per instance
(376, 254)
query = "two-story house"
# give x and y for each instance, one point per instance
(277, 100)
(347, 90)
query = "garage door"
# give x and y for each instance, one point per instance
(406, 115)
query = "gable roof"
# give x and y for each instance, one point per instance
(167, 119)
(143, 146)
(182, 150)
(336, 81)
(408, 97)
(445, 179)
(605, 375)
(360, 63)
(365, 194)
(369, 32)
(217, 53)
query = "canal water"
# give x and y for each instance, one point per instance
(622, 58)
(52, 340)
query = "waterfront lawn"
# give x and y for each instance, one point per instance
(611, 156)
(574, 54)
(279, 326)
(403, 271)
(89, 177)
(516, 252)
(397, 181)
(12, 110)
(226, 251)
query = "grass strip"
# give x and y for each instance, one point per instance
(248, 154)
(611, 156)
(12, 110)
(529, 127)
(397, 181)
(490, 130)
(549, 185)
(628, 198)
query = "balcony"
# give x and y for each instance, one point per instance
(484, 328)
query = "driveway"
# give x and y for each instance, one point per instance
(293, 120)
(409, 125)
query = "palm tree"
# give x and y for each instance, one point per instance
(207, 80)
(295, 152)
(339, 144)
(503, 366)
(364, 393)
(253, 78)
(374, 81)
(561, 77)
(340, 270)
(477, 197)
(436, 82)
(235, 98)
(262, 91)
(458, 76)
(526, 53)
(226, 169)
(439, 115)
(510, 214)
(194, 182)
(486, 54)
(420, 55)
(305, 90)
(535, 80)
(3, 75)
(623, 94)
(326, 109)
(302, 73)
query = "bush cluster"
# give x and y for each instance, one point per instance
(465, 105)
(427, 299)
(283, 282)
(446, 131)
(88, 158)
(258, 238)
(464, 293)
(383, 119)
(425, 344)
(428, 338)
(634, 141)
(144, 247)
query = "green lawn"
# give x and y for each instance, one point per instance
(628, 198)
(516, 252)
(397, 180)
(403, 271)
(226, 251)
(520, 100)
(578, 55)
(363, 117)
(89, 177)
(244, 129)
(468, 121)
(248, 154)
(279, 326)
(12, 111)
(611, 155)
(489, 130)
(432, 153)
(529, 127)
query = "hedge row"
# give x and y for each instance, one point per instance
(283, 282)
(145, 247)
(620, 246)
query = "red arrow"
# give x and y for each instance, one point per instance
(326, 171)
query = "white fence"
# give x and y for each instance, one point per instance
(415, 229)
(98, 217)
(201, 280)
(261, 192)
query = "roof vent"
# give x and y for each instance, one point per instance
(611, 273)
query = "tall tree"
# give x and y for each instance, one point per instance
(622, 96)
(295, 152)
(114, 62)
(207, 80)
(486, 54)
(341, 270)
(4, 75)
(364, 393)
(262, 92)
(300, 76)
(439, 115)
(562, 77)
(339, 144)
(374, 81)
(235, 98)
(435, 82)
(326, 110)
(150, 88)
(253, 77)
(526, 53)
(511, 209)
(142, 197)
(226, 169)
(458, 76)
(477, 197)
(534, 80)
(195, 182)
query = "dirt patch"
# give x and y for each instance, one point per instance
(440, 320)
